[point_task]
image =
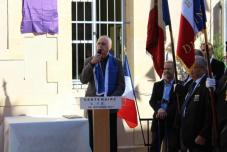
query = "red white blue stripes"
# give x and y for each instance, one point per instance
(193, 20)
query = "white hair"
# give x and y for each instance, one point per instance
(109, 40)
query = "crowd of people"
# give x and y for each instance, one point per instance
(184, 115)
(191, 116)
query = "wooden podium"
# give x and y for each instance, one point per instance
(100, 107)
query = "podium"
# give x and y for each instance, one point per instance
(100, 107)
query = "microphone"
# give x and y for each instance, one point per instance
(99, 63)
(99, 51)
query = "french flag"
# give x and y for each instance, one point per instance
(128, 110)
(193, 20)
(159, 18)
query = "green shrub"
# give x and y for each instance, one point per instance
(218, 48)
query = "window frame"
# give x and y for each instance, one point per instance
(95, 23)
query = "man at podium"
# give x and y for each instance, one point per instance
(104, 75)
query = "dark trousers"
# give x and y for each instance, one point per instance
(223, 139)
(193, 147)
(200, 149)
(113, 130)
(168, 135)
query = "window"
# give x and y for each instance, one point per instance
(218, 21)
(91, 19)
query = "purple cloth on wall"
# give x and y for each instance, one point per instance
(39, 16)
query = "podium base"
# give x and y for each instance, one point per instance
(101, 131)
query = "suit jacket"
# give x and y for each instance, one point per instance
(217, 68)
(87, 77)
(155, 103)
(197, 119)
(221, 96)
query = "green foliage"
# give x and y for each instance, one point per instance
(218, 48)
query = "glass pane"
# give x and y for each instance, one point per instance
(80, 31)
(88, 11)
(111, 35)
(97, 10)
(111, 10)
(73, 31)
(88, 30)
(80, 11)
(103, 29)
(80, 57)
(97, 30)
(118, 10)
(74, 61)
(118, 41)
(103, 10)
(73, 11)
(88, 50)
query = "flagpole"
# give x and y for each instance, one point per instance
(173, 52)
(213, 107)
(174, 60)
(137, 107)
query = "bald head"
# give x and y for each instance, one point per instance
(104, 44)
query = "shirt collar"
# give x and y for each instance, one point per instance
(199, 79)
(171, 82)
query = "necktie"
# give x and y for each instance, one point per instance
(186, 101)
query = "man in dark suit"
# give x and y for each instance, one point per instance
(163, 102)
(196, 111)
(221, 108)
(217, 67)
(104, 75)
(221, 94)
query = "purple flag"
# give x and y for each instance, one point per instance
(39, 16)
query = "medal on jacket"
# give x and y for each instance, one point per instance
(196, 98)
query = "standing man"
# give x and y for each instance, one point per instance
(104, 75)
(196, 111)
(221, 98)
(163, 102)
(221, 108)
(217, 67)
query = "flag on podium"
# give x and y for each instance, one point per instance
(193, 20)
(128, 109)
(158, 19)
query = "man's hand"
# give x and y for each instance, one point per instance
(161, 114)
(199, 140)
(96, 59)
(210, 83)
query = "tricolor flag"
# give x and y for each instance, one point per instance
(193, 20)
(159, 18)
(128, 109)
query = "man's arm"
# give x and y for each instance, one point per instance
(87, 72)
(154, 97)
(120, 82)
(207, 123)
